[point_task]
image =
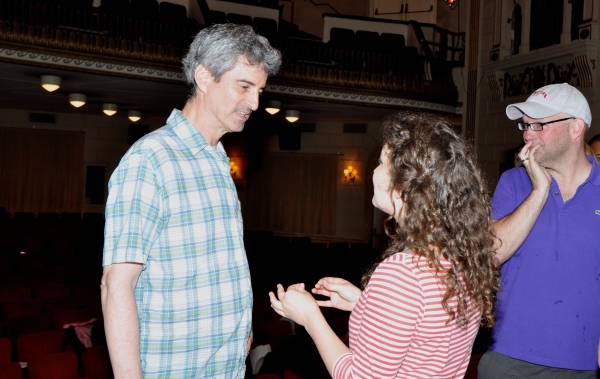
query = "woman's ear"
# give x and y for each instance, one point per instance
(398, 204)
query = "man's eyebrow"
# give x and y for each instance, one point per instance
(250, 83)
(247, 82)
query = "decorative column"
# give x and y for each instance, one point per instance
(565, 37)
(472, 65)
(526, 27)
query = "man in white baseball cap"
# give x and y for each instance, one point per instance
(548, 227)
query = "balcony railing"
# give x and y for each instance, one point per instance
(402, 72)
(92, 31)
(159, 43)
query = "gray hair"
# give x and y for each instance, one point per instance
(218, 47)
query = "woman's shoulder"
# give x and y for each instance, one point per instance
(401, 263)
(407, 261)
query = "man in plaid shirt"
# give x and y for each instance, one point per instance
(176, 291)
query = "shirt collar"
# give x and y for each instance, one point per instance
(191, 137)
(594, 177)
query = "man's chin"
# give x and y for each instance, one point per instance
(236, 128)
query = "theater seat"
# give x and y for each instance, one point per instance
(34, 345)
(216, 17)
(96, 363)
(341, 36)
(239, 19)
(5, 347)
(10, 370)
(367, 39)
(22, 325)
(53, 366)
(170, 11)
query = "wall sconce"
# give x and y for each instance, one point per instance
(451, 3)
(77, 99)
(109, 109)
(273, 106)
(50, 82)
(350, 174)
(292, 115)
(134, 116)
(233, 169)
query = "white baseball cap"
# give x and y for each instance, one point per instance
(550, 100)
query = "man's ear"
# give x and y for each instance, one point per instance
(203, 77)
(578, 128)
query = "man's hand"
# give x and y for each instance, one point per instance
(540, 177)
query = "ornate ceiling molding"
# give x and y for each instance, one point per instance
(98, 67)
(362, 99)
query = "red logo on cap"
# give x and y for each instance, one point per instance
(539, 92)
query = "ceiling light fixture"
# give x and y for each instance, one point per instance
(109, 109)
(50, 82)
(292, 115)
(273, 106)
(77, 99)
(134, 116)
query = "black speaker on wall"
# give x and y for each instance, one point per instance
(136, 131)
(290, 138)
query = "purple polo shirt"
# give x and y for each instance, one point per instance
(548, 308)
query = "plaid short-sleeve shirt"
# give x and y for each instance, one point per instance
(173, 206)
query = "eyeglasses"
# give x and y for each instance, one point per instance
(538, 126)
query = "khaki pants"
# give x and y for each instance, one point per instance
(498, 366)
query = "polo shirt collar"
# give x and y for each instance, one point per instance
(594, 177)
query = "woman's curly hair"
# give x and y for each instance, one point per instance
(446, 210)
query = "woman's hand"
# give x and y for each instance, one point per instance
(342, 294)
(296, 304)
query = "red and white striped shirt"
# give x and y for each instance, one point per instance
(398, 328)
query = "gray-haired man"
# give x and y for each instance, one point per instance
(176, 292)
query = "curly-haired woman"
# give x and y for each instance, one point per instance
(422, 303)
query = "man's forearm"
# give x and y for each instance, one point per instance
(512, 230)
(122, 329)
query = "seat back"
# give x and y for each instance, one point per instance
(22, 325)
(5, 347)
(53, 366)
(392, 41)
(266, 27)
(144, 7)
(96, 363)
(34, 345)
(366, 38)
(172, 11)
(51, 290)
(216, 17)
(10, 370)
(239, 19)
(12, 309)
(341, 36)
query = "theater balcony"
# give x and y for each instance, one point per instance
(359, 60)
